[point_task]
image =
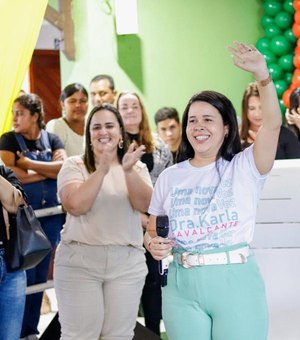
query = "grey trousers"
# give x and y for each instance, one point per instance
(98, 290)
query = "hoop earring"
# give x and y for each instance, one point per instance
(121, 144)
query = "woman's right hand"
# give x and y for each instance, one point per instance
(105, 161)
(248, 58)
(160, 247)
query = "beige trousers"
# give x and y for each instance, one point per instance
(98, 290)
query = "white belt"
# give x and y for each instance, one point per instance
(188, 260)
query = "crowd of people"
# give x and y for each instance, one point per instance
(114, 177)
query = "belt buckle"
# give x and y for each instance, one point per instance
(244, 258)
(184, 259)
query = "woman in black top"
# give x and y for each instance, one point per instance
(36, 157)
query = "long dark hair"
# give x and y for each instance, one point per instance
(231, 144)
(88, 156)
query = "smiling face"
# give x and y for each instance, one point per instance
(254, 113)
(205, 130)
(75, 106)
(23, 121)
(105, 131)
(131, 112)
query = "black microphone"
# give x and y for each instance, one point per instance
(162, 230)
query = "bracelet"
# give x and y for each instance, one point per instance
(266, 81)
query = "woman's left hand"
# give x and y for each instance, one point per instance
(160, 247)
(59, 155)
(248, 58)
(133, 154)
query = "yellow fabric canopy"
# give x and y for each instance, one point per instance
(19, 29)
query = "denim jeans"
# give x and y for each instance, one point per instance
(12, 301)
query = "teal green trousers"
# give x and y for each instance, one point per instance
(219, 302)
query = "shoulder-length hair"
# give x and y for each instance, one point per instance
(145, 134)
(88, 157)
(231, 144)
(250, 91)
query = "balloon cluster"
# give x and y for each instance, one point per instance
(278, 43)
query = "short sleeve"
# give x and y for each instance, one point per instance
(72, 171)
(245, 160)
(55, 142)
(8, 142)
(56, 126)
(142, 170)
(158, 197)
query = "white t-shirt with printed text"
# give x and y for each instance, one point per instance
(212, 206)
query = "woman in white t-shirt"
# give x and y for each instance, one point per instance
(214, 289)
(100, 267)
(70, 127)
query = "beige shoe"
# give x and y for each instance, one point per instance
(46, 305)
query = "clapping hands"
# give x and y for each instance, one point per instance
(106, 158)
(133, 154)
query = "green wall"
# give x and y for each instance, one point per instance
(54, 4)
(180, 48)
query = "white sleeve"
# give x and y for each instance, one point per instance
(158, 197)
(245, 160)
(142, 170)
(57, 127)
(70, 172)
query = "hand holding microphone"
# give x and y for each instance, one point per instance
(162, 230)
